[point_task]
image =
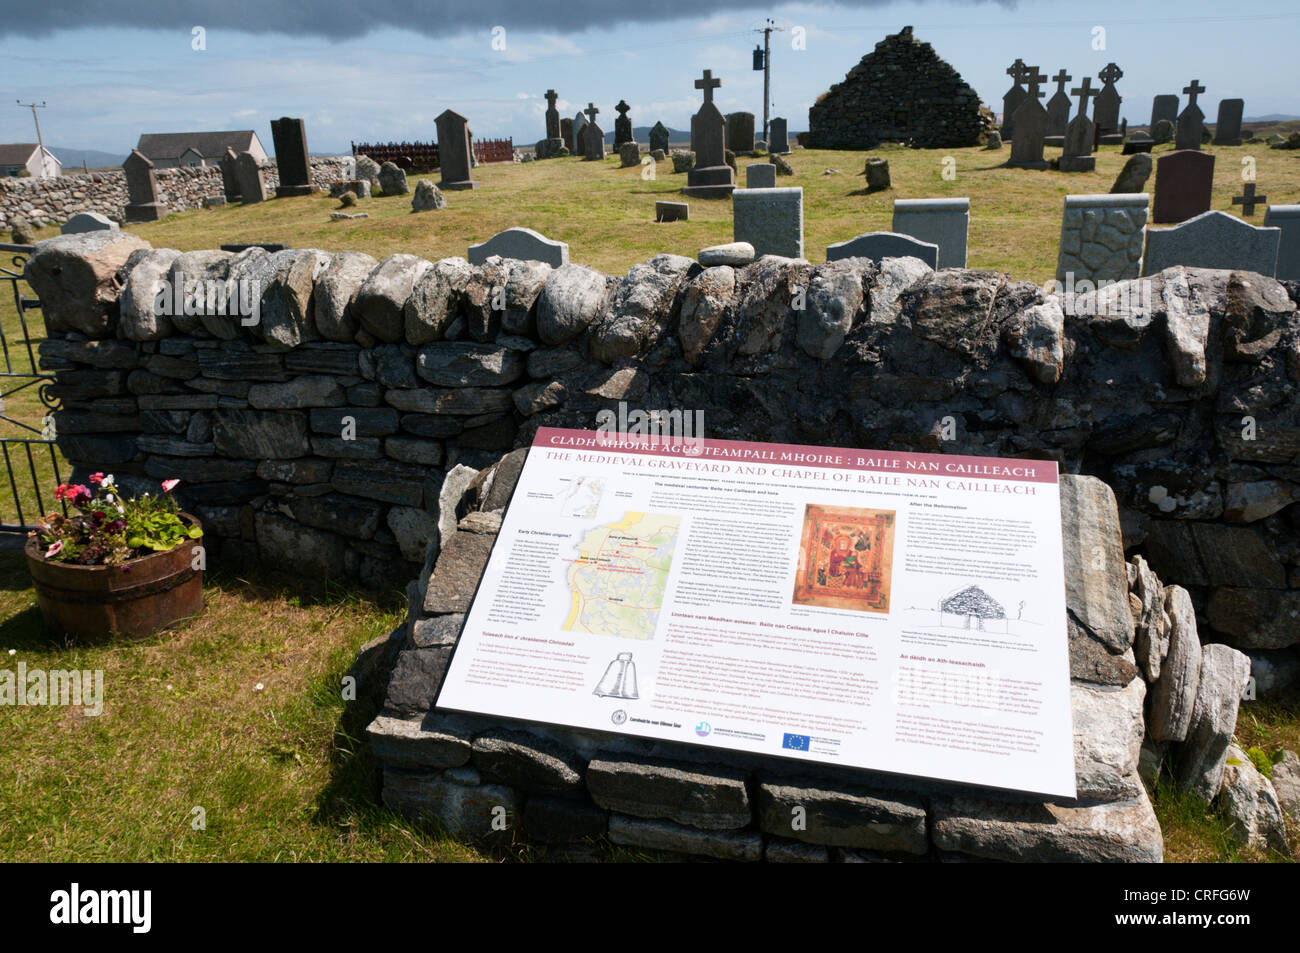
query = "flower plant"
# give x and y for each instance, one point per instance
(105, 529)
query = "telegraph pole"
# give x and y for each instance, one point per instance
(36, 119)
(767, 70)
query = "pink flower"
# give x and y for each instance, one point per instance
(78, 493)
(54, 550)
(96, 478)
(61, 491)
(169, 485)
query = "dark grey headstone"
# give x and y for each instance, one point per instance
(229, 177)
(1227, 128)
(622, 125)
(141, 189)
(1105, 113)
(249, 173)
(740, 132)
(552, 116)
(1191, 121)
(659, 137)
(291, 159)
(778, 141)
(1163, 107)
(454, 152)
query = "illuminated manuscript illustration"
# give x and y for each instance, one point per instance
(846, 556)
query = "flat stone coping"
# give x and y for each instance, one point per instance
(1118, 200)
(932, 205)
(1283, 211)
(752, 194)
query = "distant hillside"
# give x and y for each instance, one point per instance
(93, 158)
(1271, 117)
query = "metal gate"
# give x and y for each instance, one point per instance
(31, 461)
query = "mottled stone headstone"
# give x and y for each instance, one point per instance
(249, 172)
(711, 176)
(141, 189)
(1213, 240)
(1227, 128)
(1058, 107)
(229, 179)
(740, 132)
(291, 159)
(566, 133)
(1079, 134)
(769, 219)
(778, 137)
(1163, 107)
(522, 244)
(593, 136)
(944, 222)
(1184, 182)
(659, 137)
(392, 179)
(622, 125)
(579, 143)
(1191, 121)
(1105, 112)
(881, 245)
(1013, 97)
(1163, 132)
(454, 151)
(760, 175)
(1286, 218)
(1030, 121)
(1101, 237)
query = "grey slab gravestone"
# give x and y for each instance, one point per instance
(141, 189)
(229, 178)
(1191, 121)
(740, 132)
(522, 244)
(760, 175)
(1213, 240)
(1286, 218)
(1030, 126)
(88, 222)
(1101, 236)
(1163, 107)
(943, 222)
(710, 177)
(249, 173)
(291, 158)
(778, 136)
(593, 136)
(1058, 108)
(659, 137)
(881, 245)
(769, 219)
(1227, 127)
(454, 151)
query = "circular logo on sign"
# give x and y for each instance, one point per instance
(703, 729)
(618, 717)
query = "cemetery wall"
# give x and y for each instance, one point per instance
(901, 91)
(55, 200)
(1189, 412)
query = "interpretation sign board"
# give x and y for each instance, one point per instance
(901, 612)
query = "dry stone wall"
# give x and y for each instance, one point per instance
(55, 200)
(1190, 412)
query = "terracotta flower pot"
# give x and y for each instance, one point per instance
(136, 599)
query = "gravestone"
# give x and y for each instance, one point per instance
(659, 137)
(229, 179)
(1191, 121)
(522, 244)
(672, 211)
(1101, 237)
(1136, 145)
(454, 151)
(1213, 240)
(392, 179)
(141, 189)
(291, 158)
(778, 138)
(881, 245)
(1184, 181)
(1079, 134)
(1058, 107)
(593, 137)
(769, 219)
(1227, 127)
(1105, 112)
(552, 116)
(1030, 121)
(1133, 177)
(740, 132)
(579, 142)
(760, 175)
(1286, 218)
(1163, 107)
(88, 222)
(1014, 96)
(710, 176)
(943, 222)
(249, 171)
(566, 134)
(1248, 199)
(1163, 131)
(622, 125)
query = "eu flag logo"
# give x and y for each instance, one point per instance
(796, 742)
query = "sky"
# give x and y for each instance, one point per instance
(383, 69)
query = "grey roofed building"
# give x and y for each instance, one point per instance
(17, 156)
(168, 150)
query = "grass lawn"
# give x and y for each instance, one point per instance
(279, 770)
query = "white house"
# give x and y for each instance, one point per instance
(37, 160)
(168, 150)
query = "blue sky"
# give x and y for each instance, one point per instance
(133, 69)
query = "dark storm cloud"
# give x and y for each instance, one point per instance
(343, 19)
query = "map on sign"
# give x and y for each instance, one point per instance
(617, 583)
(582, 498)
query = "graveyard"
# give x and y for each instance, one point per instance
(390, 446)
